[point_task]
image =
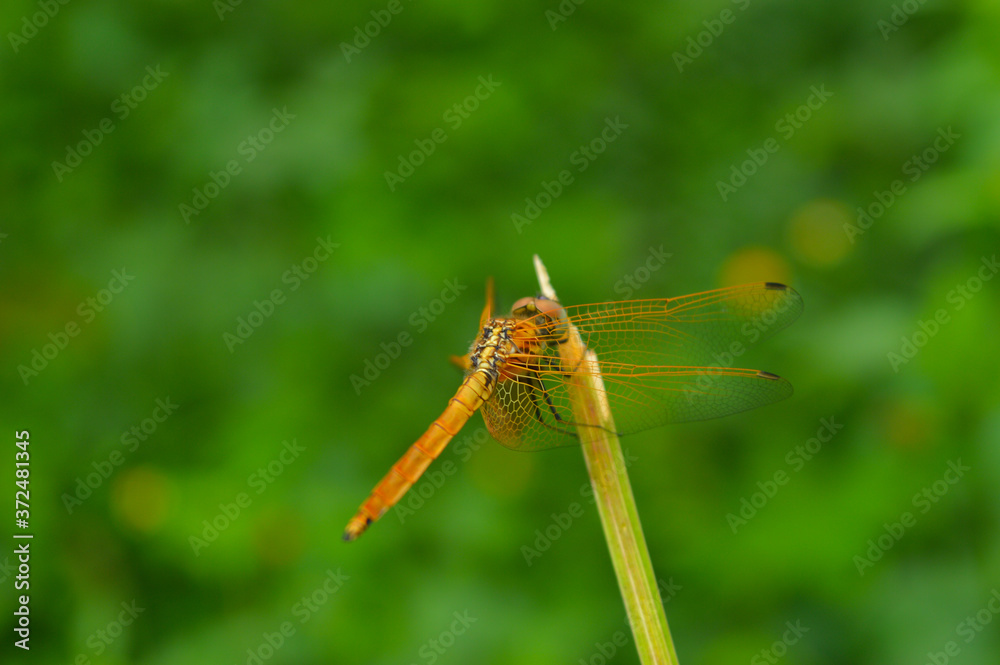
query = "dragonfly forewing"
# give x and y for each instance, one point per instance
(662, 361)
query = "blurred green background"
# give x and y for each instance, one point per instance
(116, 116)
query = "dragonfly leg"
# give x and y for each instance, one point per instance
(551, 362)
(524, 381)
(462, 362)
(536, 383)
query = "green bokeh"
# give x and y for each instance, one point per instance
(654, 188)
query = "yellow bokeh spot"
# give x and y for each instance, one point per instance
(816, 232)
(754, 264)
(910, 423)
(141, 498)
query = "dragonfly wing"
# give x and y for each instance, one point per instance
(539, 415)
(711, 329)
(662, 361)
(645, 397)
(531, 413)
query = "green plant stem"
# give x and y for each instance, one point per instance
(613, 494)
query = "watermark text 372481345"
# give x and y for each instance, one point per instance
(22, 513)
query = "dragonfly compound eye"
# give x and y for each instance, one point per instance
(550, 308)
(524, 308)
(550, 321)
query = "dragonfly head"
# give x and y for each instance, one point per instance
(528, 307)
(545, 315)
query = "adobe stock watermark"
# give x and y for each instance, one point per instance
(363, 35)
(668, 590)
(560, 523)
(714, 28)
(87, 310)
(454, 116)
(223, 7)
(303, 610)
(752, 332)
(796, 459)
(581, 158)
(958, 297)
(922, 502)
(900, 16)
(778, 650)
(563, 11)
(248, 149)
(101, 639)
(914, 167)
(786, 128)
(435, 647)
(419, 320)
(30, 25)
(632, 282)
(258, 481)
(967, 629)
(130, 440)
(434, 479)
(264, 309)
(604, 652)
(121, 108)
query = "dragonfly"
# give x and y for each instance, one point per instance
(661, 361)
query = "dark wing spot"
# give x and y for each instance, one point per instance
(767, 375)
(774, 286)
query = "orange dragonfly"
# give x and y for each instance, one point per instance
(662, 361)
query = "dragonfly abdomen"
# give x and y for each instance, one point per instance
(404, 473)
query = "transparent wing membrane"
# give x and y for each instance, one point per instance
(689, 330)
(661, 361)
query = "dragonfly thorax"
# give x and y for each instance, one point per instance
(494, 346)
